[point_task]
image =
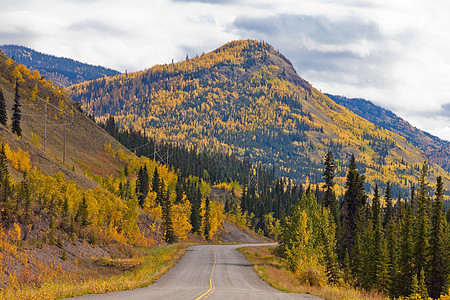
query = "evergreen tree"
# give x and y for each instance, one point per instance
(142, 185)
(3, 114)
(6, 205)
(155, 181)
(330, 197)
(15, 125)
(423, 292)
(169, 233)
(421, 229)
(82, 214)
(392, 235)
(328, 176)
(196, 202)
(179, 190)
(354, 200)
(379, 265)
(415, 289)
(389, 207)
(207, 219)
(329, 248)
(405, 252)
(438, 260)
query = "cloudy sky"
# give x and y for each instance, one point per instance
(395, 53)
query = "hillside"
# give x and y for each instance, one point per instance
(84, 140)
(436, 150)
(246, 98)
(59, 70)
(84, 212)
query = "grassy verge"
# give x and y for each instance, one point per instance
(154, 263)
(270, 269)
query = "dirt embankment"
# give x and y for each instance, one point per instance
(234, 234)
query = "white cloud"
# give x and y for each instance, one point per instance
(395, 53)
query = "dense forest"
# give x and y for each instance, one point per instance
(61, 71)
(399, 247)
(246, 100)
(435, 149)
(210, 166)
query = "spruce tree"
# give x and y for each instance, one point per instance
(405, 252)
(179, 190)
(389, 207)
(196, 202)
(354, 200)
(155, 181)
(330, 197)
(82, 214)
(423, 292)
(15, 125)
(328, 176)
(142, 185)
(3, 114)
(207, 219)
(6, 207)
(379, 268)
(421, 228)
(169, 233)
(438, 260)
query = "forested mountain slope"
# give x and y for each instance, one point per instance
(84, 141)
(437, 150)
(246, 98)
(59, 70)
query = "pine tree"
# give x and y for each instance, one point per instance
(438, 260)
(6, 207)
(423, 292)
(155, 181)
(329, 248)
(330, 197)
(82, 213)
(207, 219)
(15, 125)
(179, 190)
(142, 185)
(3, 114)
(328, 176)
(405, 252)
(169, 233)
(196, 202)
(421, 229)
(354, 200)
(348, 279)
(389, 207)
(392, 236)
(379, 268)
(415, 289)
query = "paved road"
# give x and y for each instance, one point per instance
(207, 272)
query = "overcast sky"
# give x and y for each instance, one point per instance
(395, 53)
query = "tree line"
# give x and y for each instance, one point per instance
(400, 247)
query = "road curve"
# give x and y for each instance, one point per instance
(207, 272)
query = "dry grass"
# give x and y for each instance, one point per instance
(155, 262)
(271, 270)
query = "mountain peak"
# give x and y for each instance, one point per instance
(246, 98)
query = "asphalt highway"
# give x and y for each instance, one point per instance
(207, 272)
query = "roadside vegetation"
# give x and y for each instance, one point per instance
(146, 266)
(272, 269)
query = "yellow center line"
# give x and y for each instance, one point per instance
(212, 286)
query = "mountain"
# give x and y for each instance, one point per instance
(61, 71)
(436, 149)
(84, 140)
(247, 99)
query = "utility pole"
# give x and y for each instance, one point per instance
(45, 127)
